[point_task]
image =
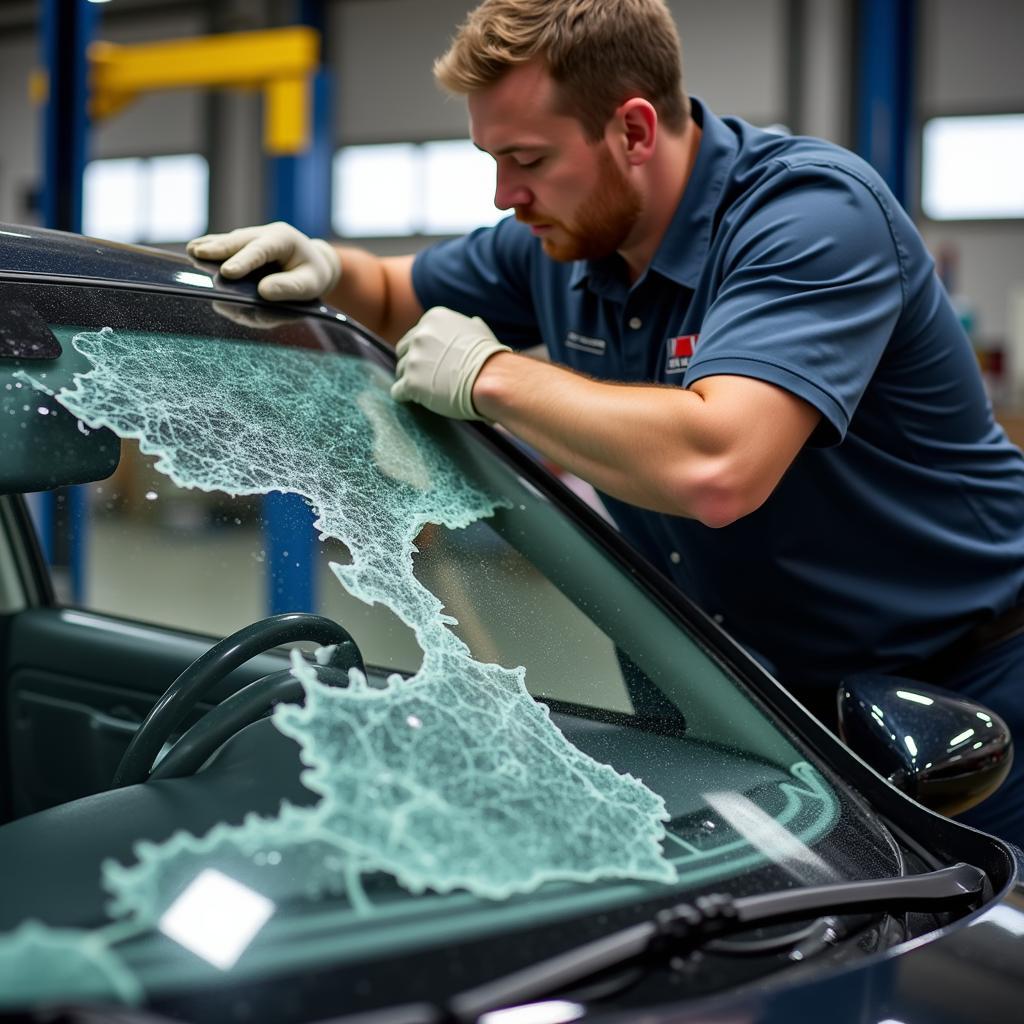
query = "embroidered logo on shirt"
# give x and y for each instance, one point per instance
(678, 351)
(595, 346)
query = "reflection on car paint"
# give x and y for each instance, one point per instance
(455, 778)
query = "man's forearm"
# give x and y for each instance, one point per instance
(623, 439)
(376, 291)
(713, 452)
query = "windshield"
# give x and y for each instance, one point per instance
(536, 739)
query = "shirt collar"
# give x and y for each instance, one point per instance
(684, 248)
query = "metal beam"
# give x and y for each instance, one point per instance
(299, 193)
(67, 27)
(280, 61)
(884, 116)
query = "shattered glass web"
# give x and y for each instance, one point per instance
(455, 778)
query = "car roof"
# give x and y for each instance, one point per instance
(42, 253)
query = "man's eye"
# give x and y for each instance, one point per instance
(531, 163)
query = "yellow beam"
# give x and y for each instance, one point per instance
(286, 115)
(278, 60)
(233, 58)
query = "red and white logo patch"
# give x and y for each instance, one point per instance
(678, 351)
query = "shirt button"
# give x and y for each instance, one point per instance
(674, 557)
(718, 617)
(636, 323)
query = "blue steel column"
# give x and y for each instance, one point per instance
(67, 28)
(299, 194)
(884, 112)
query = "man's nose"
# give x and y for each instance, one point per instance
(509, 193)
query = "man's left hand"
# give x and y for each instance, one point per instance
(439, 360)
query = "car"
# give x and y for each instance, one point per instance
(321, 707)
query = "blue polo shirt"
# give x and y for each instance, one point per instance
(901, 522)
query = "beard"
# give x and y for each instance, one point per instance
(603, 221)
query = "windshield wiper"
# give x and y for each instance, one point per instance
(685, 927)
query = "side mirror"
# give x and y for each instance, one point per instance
(947, 752)
(44, 446)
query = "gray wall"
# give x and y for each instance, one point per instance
(746, 57)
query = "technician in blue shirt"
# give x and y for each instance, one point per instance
(760, 370)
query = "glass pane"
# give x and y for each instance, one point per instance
(971, 167)
(376, 191)
(114, 200)
(445, 804)
(179, 190)
(458, 188)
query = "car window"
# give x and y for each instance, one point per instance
(537, 736)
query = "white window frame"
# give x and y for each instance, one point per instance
(435, 188)
(146, 199)
(971, 167)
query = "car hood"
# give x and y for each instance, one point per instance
(972, 972)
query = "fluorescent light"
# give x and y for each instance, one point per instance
(216, 918)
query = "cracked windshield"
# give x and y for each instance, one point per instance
(530, 737)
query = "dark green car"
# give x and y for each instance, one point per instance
(316, 705)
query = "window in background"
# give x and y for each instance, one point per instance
(151, 199)
(376, 190)
(432, 188)
(971, 167)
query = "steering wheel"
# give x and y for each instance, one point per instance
(248, 704)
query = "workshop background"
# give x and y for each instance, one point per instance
(930, 91)
(797, 63)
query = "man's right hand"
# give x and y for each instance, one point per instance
(311, 266)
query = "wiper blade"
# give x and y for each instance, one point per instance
(687, 926)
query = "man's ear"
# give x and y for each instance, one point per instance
(637, 121)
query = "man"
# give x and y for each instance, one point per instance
(760, 370)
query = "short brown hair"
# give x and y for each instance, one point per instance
(600, 52)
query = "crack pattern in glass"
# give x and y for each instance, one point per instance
(455, 778)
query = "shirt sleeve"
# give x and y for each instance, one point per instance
(486, 273)
(811, 288)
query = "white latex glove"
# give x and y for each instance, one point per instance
(439, 360)
(311, 266)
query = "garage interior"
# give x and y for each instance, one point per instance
(338, 127)
(387, 165)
